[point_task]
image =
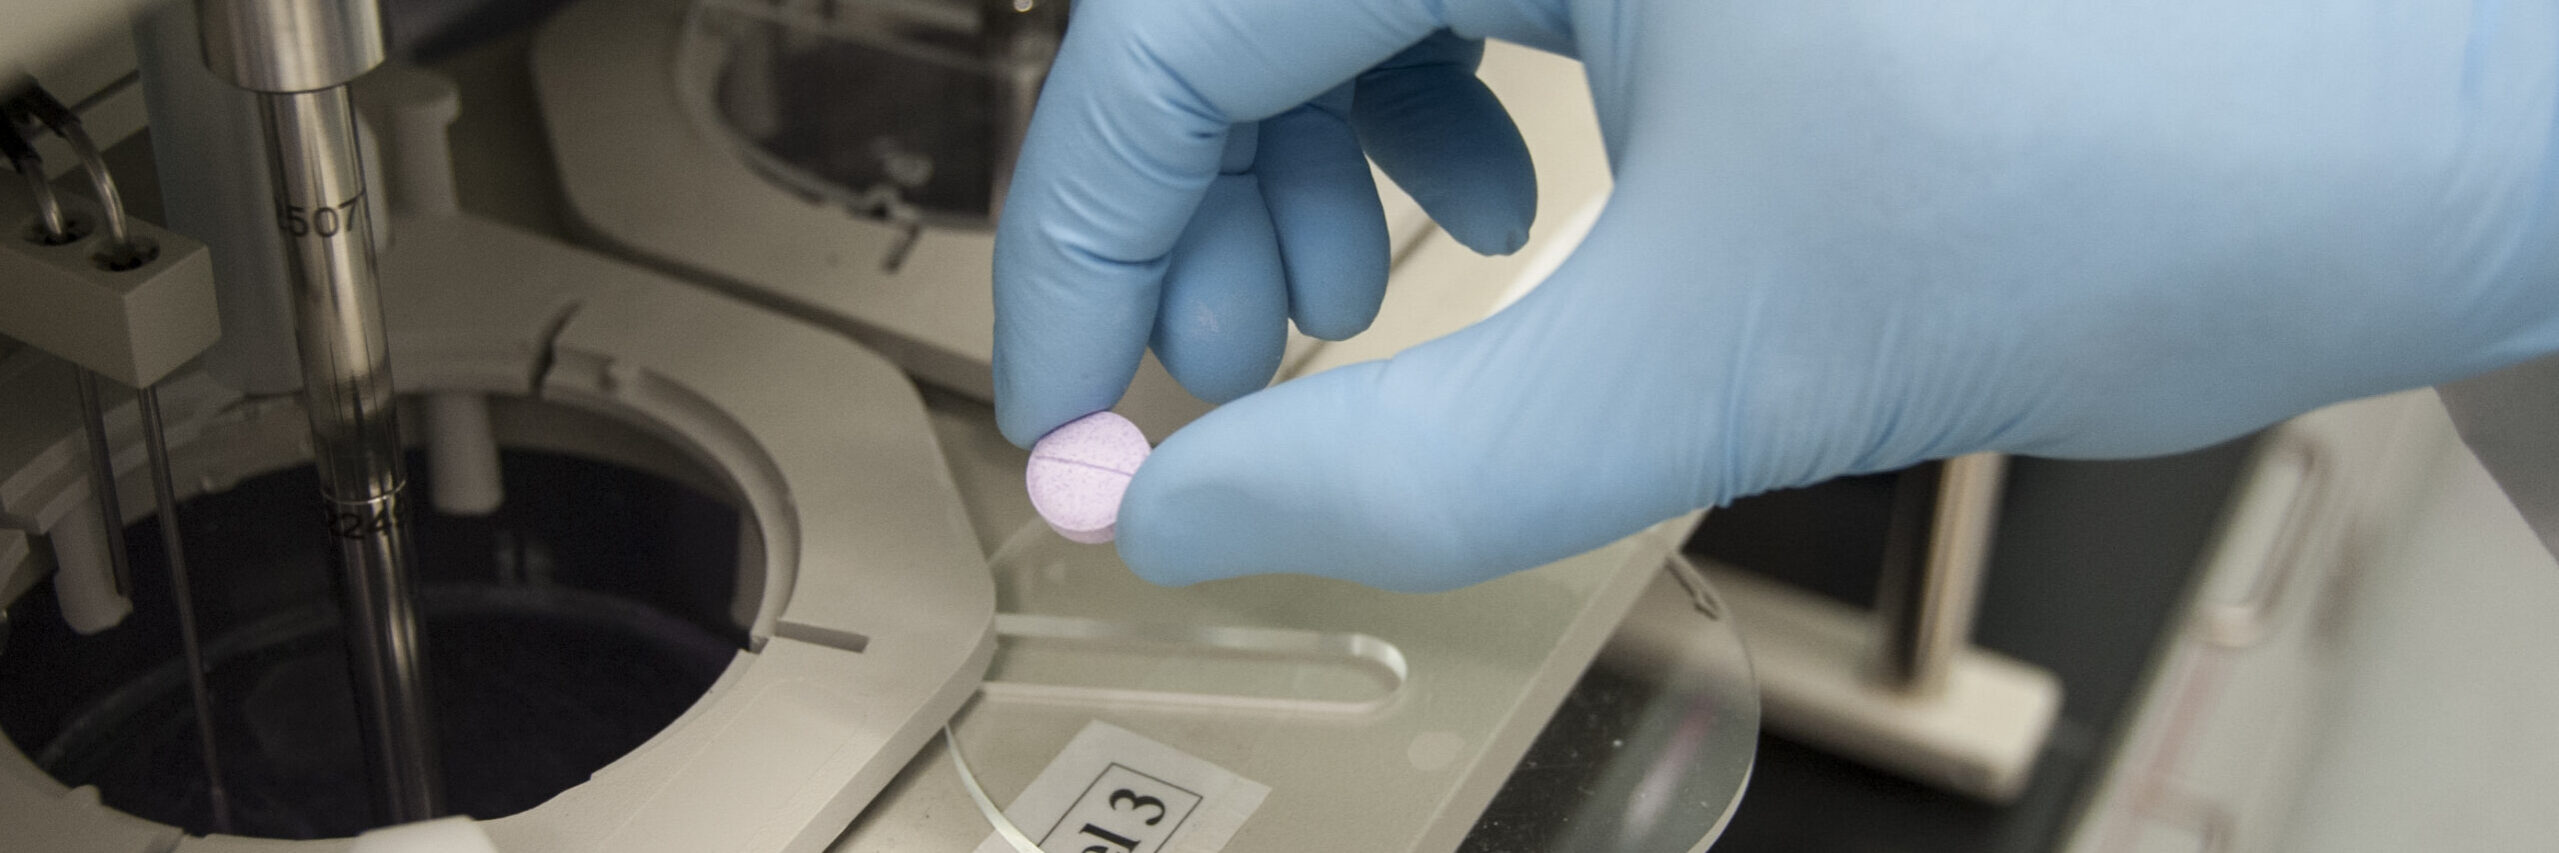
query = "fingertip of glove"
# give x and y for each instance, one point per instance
(1024, 413)
(1489, 239)
(1018, 426)
(1340, 327)
(1485, 219)
(1221, 384)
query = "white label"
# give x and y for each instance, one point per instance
(1111, 791)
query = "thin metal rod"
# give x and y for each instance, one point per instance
(1944, 516)
(102, 478)
(66, 124)
(119, 236)
(48, 208)
(190, 640)
(347, 393)
(17, 116)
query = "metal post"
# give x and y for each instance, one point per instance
(49, 218)
(102, 477)
(356, 443)
(299, 55)
(1944, 515)
(155, 441)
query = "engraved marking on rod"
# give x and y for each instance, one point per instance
(357, 521)
(324, 221)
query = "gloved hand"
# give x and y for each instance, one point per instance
(1845, 237)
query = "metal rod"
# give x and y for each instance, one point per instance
(65, 123)
(102, 478)
(110, 203)
(182, 591)
(299, 55)
(17, 116)
(1944, 516)
(48, 209)
(347, 394)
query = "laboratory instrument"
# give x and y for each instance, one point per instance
(691, 383)
(698, 529)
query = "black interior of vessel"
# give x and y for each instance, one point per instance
(562, 631)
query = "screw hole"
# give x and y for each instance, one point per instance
(74, 229)
(129, 256)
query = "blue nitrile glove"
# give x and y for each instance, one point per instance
(1845, 237)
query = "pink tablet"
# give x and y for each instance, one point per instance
(1079, 471)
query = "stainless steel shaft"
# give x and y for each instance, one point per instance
(155, 441)
(1944, 517)
(355, 440)
(103, 182)
(102, 477)
(57, 229)
(299, 55)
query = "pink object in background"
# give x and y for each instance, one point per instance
(1079, 471)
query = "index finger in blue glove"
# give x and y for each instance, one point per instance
(1125, 141)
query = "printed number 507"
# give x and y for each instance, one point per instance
(323, 220)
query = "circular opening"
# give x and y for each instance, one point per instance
(74, 229)
(562, 631)
(135, 252)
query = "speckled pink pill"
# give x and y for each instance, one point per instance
(1079, 471)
